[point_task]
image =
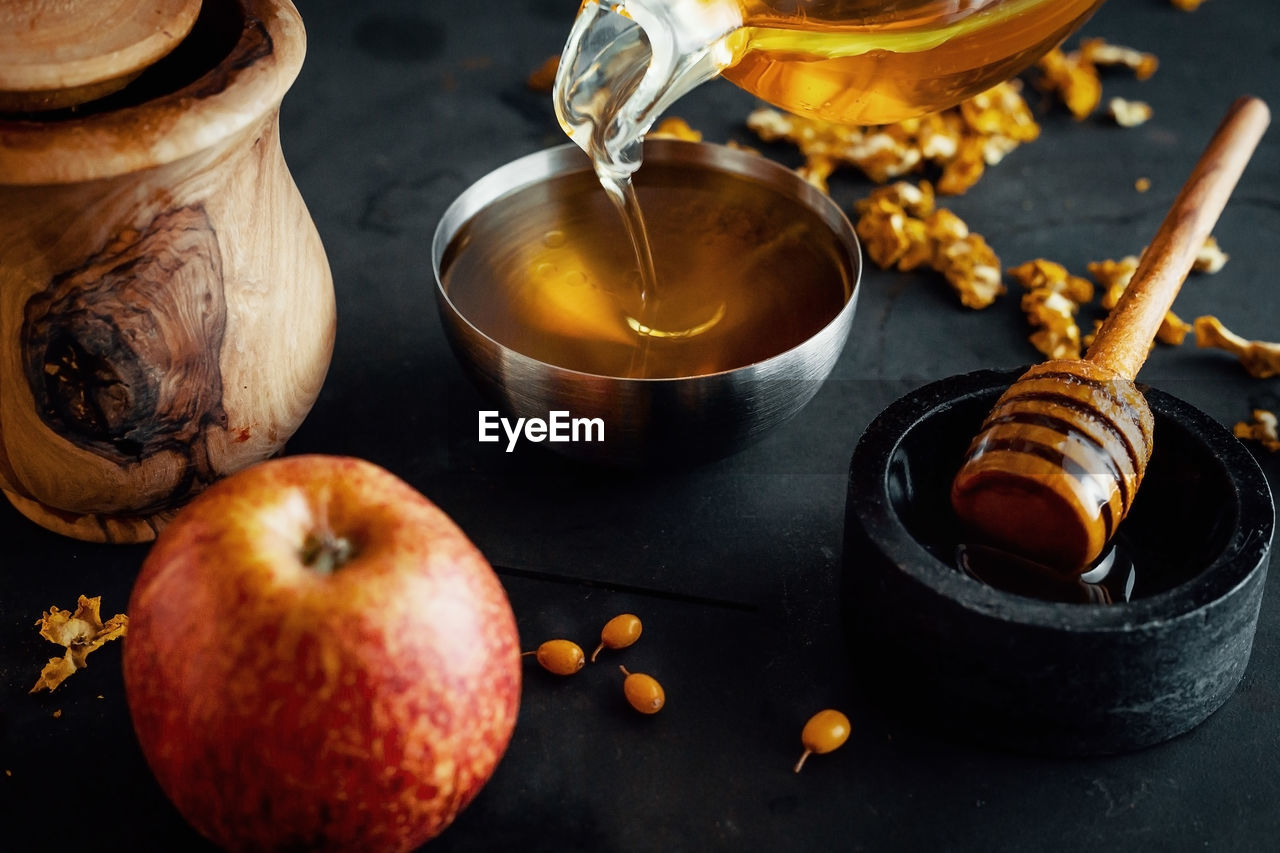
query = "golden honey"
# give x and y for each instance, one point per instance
(744, 274)
(626, 61)
(860, 62)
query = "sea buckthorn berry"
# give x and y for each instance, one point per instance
(561, 657)
(825, 731)
(618, 633)
(643, 692)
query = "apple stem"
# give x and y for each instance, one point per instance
(325, 553)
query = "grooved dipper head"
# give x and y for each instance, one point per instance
(1056, 465)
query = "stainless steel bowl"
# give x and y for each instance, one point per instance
(652, 420)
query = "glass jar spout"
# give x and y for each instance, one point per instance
(627, 61)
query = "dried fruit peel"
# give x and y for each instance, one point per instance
(80, 632)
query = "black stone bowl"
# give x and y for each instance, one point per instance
(1043, 676)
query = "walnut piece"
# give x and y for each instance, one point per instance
(1073, 76)
(1210, 258)
(1260, 358)
(1128, 113)
(1113, 277)
(673, 127)
(900, 225)
(543, 78)
(1099, 52)
(80, 632)
(1052, 300)
(962, 141)
(1262, 430)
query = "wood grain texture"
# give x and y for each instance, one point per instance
(55, 53)
(116, 351)
(159, 329)
(208, 91)
(1123, 341)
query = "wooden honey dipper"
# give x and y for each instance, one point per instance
(1057, 462)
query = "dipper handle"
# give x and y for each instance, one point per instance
(1059, 459)
(1125, 338)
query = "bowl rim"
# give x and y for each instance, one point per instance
(1233, 568)
(568, 158)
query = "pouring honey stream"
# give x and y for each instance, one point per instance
(848, 61)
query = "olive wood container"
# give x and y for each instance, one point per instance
(1051, 676)
(166, 307)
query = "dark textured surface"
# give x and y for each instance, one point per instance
(734, 566)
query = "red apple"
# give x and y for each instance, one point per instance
(319, 659)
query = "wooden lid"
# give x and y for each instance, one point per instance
(56, 53)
